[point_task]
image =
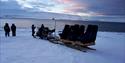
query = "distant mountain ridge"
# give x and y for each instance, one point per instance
(14, 13)
(19, 13)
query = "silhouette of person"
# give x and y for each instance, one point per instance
(13, 29)
(41, 29)
(33, 30)
(7, 29)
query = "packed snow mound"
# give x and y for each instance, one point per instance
(25, 49)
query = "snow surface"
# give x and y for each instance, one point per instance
(25, 49)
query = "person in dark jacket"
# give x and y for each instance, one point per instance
(40, 31)
(7, 29)
(33, 30)
(13, 29)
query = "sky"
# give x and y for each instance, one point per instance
(72, 7)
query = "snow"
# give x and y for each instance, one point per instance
(25, 49)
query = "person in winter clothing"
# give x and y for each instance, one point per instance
(13, 29)
(40, 31)
(33, 30)
(7, 29)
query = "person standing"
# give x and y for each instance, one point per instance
(7, 29)
(13, 29)
(33, 30)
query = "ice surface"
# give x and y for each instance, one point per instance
(25, 49)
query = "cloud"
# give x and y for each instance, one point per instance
(104, 7)
(108, 7)
(94, 7)
(63, 1)
(75, 7)
(3, 0)
(6, 4)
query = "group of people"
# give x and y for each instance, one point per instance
(42, 32)
(7, 29)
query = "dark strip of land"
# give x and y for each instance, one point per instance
(103, 26)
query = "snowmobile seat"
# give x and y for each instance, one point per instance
(65, 32)
(87, 39)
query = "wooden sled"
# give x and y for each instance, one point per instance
(78, 45)
(88, 39)
(76, 42)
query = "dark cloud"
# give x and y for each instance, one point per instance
(106, 7)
